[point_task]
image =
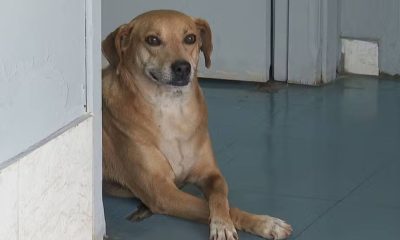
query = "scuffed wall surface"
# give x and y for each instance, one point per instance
(375, 20)
(42, 70)
(49, 191)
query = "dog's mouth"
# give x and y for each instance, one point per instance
(175, 81)
(179, 83)
(153, 76)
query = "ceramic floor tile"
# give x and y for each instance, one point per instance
(355, 222)
(381, 190)
(154, 227)
(305, 165)
(224, 125)
(299, 212)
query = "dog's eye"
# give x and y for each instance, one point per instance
(190, 39)
(153, 40)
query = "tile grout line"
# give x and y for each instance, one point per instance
(341, 200)
(289, 196)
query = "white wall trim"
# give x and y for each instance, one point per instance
(93, 76)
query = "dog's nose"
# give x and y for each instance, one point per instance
(181, 70)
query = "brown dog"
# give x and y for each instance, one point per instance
(155, 134)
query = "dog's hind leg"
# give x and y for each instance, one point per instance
(116, 190)
(140, 214)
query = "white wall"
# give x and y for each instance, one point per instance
(42, 70)
(375, 20)
(50, 79)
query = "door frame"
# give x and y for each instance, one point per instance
(313, 41)
(93, 107)
(306, 41)
(280, 33)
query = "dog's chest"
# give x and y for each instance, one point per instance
(177, 124)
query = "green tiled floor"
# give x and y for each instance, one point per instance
(325, 159)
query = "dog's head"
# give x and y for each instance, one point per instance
(162, 45)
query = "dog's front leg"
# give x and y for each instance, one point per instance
(206, 175)
(215, 190)
(150, 178)
(166, 198)
(223, 217)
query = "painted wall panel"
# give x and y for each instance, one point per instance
(377, 20)
(42, 70)
(241, 32)
(304, 42)
(313, 41)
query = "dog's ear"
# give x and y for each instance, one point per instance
(115, 45)
(206, 39)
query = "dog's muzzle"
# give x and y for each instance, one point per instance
(180, 73)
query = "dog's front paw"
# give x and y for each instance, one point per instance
(222, 230)
(273, 228)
